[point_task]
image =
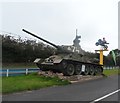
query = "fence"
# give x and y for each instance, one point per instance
(15, 72)
(109, 67)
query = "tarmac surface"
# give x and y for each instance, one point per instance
(98, 89)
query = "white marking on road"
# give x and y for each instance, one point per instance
(105, 96)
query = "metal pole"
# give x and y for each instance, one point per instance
(101, 57)
(76, 32)
(26, 71)
(7, 74)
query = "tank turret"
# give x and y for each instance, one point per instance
(69, 59)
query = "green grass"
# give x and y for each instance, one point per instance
(29, 82)
(111, 72)
(0, 85)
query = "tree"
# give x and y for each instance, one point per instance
(18, 50)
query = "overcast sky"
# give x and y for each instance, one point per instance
(57, 20)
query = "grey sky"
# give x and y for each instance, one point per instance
(57, 20)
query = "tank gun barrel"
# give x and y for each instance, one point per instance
(40, 38)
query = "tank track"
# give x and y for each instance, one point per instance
(71, 67)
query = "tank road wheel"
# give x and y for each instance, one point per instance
(99, 70)
(92, 70)
(69, 70)
(87, 70)
(78, 70)
(96, 70)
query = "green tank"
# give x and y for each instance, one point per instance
(68, 59)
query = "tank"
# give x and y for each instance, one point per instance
(68, 59)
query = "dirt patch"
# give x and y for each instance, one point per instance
(72, 79)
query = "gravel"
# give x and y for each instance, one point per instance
(72, 79)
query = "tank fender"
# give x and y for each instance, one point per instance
(37, 60)
(57, 61)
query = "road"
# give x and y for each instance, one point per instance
(83, 91)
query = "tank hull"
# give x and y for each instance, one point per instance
(49, 67)
(72, 67)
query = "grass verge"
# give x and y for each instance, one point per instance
(29, 82)
(111, 72)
